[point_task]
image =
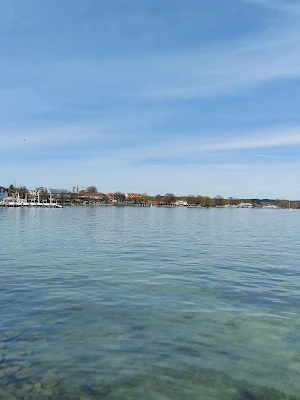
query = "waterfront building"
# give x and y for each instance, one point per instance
(157, 203)
(59, 194)
(245, 205)
(91, 195)
(133, 196)
(3, 193)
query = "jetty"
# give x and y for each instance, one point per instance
(16, 202)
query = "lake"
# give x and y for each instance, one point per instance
(149, 303)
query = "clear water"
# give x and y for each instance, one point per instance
(148, 303)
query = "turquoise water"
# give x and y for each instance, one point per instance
(149, 303)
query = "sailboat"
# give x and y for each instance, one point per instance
(290, 209)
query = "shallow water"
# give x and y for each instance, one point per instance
(149, 303)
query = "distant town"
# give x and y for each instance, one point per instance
(13, 196)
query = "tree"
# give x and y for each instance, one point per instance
(206, 201)
(23, 191)
(218, 200)
(92, 189)
(11, 190)
(199, 200)
(120, 196)
(145, 197)
(170, 198)
(43, 194)
(62, 197)
(191, 199)
(104, 198)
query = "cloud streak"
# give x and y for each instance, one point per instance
(193, 147)
(289, 6)
(72, 139)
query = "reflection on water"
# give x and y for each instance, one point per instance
(129, 303)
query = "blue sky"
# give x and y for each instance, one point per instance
(156, 96)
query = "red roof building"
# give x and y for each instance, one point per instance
(91, 195)
(133, 195)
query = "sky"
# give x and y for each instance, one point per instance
(152, 96)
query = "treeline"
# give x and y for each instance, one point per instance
(22, 190)
(168, 198)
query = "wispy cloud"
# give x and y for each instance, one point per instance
(225, 71)
(268, 156)
(188, 144)
(193, 147)
(289, 6)
(271, 57)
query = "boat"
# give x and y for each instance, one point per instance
(16, 201)
(290, 209)
(245, 205)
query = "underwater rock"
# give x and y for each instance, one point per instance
(4, 395)
(248, 395)
(85, 397)
(263, 393)
(11, 370)
(96, 389)
(23, 373)
(50, 380)
(2, 374)
(12, 334)
(24, 363)
(14, 355)
(47, 392)
(212, 378)
(138, 327)
(26, 387)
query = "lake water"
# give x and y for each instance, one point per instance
(149, 303)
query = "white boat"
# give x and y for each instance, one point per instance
(245, 205)
(290, 209)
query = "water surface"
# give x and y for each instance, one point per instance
(149, 303)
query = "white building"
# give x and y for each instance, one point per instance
(245, 205)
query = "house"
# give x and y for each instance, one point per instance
(111, 196)
(133, 196)
(91, 195)
(59, 193)
(157, 203)
(3, 193)
(116, 197)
